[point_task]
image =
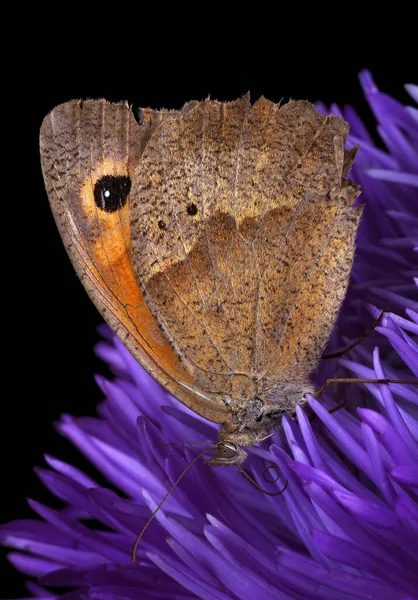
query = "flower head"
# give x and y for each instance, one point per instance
(346, 526)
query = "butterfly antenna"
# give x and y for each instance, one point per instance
(179, 478)
(253, 481)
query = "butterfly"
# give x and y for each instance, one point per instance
(216, 241)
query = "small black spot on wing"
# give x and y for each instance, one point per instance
(191, 209)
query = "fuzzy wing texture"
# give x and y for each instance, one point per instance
(89, 153)
(243, 236)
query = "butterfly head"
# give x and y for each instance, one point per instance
(254, 422)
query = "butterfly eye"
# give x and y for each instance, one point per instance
(111, 192)
(230, 446)
(226, 451)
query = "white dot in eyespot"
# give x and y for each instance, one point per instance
(107, 194)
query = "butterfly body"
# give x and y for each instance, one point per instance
(217, 242)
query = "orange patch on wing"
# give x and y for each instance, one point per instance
(109, 249)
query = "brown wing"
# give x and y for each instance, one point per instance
(244, 239)
(82, 144)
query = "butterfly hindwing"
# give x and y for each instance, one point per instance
(242, 218)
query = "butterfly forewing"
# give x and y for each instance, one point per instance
(81, 143)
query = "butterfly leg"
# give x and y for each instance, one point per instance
(357, 342)
(338, 380)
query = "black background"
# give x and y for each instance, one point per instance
(48, 320)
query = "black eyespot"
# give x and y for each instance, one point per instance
(111, 192)
(161, 224)
(192, 209)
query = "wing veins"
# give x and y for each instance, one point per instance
(202, 180)
(87, 270)
(98, 220)
(288, 230)
(311, 270)
(185, 304)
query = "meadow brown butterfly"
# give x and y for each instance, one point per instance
(216, 241)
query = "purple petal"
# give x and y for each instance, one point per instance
(407, 475)
(350, 554)
(390, 439)
(412, 91)
(395, 176)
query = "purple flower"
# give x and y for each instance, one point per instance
(346, 526)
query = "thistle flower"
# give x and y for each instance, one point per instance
(346, 526)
